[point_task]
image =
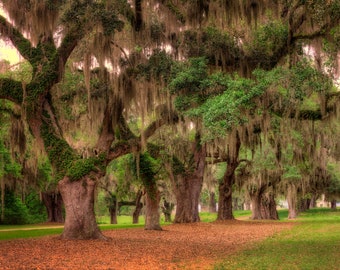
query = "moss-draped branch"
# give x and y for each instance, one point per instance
(11, 90)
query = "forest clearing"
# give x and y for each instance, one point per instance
(185, 246)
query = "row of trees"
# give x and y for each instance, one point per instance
(176, 86)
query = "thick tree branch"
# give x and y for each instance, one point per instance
(11, 90)
(22, 44)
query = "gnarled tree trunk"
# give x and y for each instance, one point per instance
(53, 203)
(187, 192)
(187, 186)
(269, 206)
(80, 220)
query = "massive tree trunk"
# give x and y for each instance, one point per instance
(187, 186)
(80, 220)
(268, 206)
(152, 214)
(54, 206)
(187, 192)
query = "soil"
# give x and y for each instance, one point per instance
(178, 246)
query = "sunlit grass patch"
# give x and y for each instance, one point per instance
(314, 243)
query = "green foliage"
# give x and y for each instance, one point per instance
(15, 211)
(158, 66)
(8, 166)
(80, 168)
(268, 40)
(36, 209)
(59, 152)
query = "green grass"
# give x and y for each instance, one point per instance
(313, 243)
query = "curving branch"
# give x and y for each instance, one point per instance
(22, 44)
(11, 90)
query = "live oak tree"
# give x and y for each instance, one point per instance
(47, 42)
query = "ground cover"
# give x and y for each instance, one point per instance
(314, 243)
(189, 246)
(311, 242)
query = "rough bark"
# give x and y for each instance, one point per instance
(268, 206)
(187, 186)
(152, 215)
(80, 220)
(187, 192)
(54, 206)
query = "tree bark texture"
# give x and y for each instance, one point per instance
(268, 206)
(80, 220)
(187, 186)
(54, 206)
(187, 192)
(152, 214)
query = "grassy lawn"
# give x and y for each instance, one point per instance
(314, 243)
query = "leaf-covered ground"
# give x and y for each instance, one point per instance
(188, 246)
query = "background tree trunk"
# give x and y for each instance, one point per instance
(268, 206)
(212, 202)
(113, 209)
(333, 204)
(152, 214)
(292, 201)
(167, 210)
(138, 209)
(80, 221)
(256, 212)
(53, 203)
(225, 201)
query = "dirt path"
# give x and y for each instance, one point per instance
(189, 246)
